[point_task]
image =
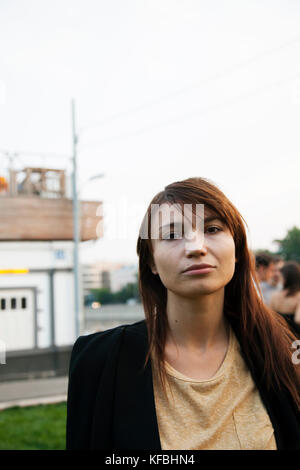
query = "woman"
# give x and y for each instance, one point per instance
(287, 301)
(211, 366)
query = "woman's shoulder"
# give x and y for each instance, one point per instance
(297, 296)
(94, 348)
(277, 294)
(110, 334)
(275, 299)
(97, 337)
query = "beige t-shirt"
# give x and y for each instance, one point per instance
(224, 412)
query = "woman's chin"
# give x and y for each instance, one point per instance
(198, 291)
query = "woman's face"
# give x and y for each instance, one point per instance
(173, 256)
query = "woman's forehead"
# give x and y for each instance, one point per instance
(179, 212)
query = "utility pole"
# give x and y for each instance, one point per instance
(75, 227)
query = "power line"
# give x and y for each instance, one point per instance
(217, 76)
(32, 154)
(195, 113)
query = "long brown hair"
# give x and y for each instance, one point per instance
(264, 336)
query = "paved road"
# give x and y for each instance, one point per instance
(110, 316)
(33, 392)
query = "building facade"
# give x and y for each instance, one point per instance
(37, 314)
(36, 307)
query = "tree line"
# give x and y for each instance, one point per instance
(106, 296)
(288, 247)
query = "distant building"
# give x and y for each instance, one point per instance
(97, 275)
(112, 276)
(122, 276)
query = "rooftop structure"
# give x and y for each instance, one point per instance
(34, 206)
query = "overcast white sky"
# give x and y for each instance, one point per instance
(164, 90)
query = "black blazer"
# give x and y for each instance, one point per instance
(111, 401)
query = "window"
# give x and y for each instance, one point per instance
(3, 304)
(23, 302)
(13, 303)
(59, 254)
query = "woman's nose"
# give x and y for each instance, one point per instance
(195, 243)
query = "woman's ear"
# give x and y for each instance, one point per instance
(153, 268)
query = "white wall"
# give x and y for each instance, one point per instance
(44, 255)
(41, 282)
(36, 255)
(64, 308)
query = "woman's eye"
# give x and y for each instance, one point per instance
(213, 229)
(172, 236)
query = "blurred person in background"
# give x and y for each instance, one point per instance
(287, 300)
(266, 270)
(276, 279)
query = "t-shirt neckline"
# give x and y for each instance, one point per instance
(220, 372)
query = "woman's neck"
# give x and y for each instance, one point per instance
(197, 324)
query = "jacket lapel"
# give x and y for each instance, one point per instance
(134, 421)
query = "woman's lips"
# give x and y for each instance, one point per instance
(199, 271)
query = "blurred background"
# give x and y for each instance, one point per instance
(102, 104)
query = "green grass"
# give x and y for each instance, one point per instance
(40, 427)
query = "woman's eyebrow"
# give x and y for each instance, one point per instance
(213, 217)
(173, 225)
